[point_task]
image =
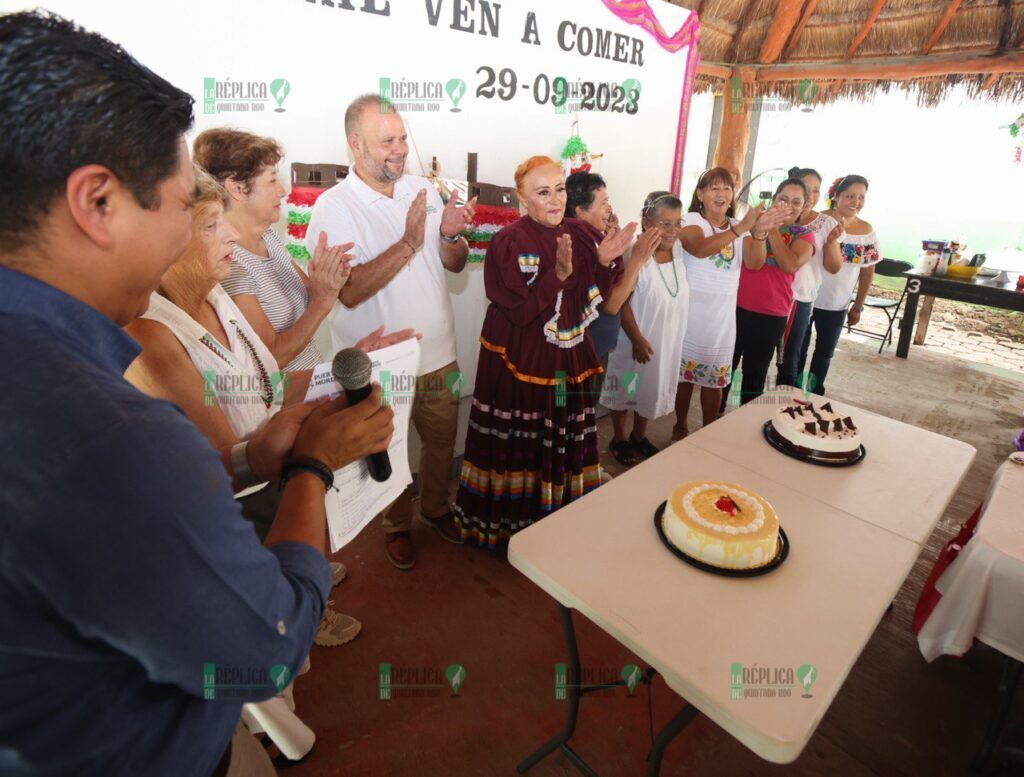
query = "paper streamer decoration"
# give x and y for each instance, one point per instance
(638, 12)
(487, 219)
(300, 208)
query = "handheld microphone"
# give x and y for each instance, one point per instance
(352, 368)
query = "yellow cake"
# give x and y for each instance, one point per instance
(721, 524)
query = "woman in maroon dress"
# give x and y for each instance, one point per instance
(532, 441)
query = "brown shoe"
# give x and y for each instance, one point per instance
(398, 549)
(445, 526)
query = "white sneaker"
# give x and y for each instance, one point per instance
(338, 572)
(336, 629)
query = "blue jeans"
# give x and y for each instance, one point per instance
(828, 325)
(792, 361)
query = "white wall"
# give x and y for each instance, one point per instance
(330, 55)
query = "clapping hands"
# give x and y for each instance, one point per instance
(329, 271)
(615, 243)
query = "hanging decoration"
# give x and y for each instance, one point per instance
(487, 219)
(300, 208)
(576, 156)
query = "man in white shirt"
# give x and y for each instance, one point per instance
(406, 240)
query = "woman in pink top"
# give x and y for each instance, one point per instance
(766, 290)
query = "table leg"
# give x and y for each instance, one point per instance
(666, 735)
(1007, 689)
(907, 325)
(924, 319)
(575, 692)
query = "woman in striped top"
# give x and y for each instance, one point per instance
(283, 304)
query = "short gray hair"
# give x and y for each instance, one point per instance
(354, 112)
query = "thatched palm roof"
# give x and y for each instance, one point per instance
(855, 47)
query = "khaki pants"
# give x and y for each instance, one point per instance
(435, 414)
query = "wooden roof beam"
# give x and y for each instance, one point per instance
(942, 25)
(865, 29)
(741, 26)
(897, 68)
(1007, 28)
(795, 37)
(787, 13)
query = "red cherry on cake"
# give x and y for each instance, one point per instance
(725, 504)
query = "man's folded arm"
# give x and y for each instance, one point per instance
(144, 548)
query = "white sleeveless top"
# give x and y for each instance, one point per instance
(244, 380)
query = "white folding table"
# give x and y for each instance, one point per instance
(602, 556)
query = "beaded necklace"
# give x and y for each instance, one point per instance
(266, 389)
(675, 274)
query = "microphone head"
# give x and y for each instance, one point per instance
(352, 368)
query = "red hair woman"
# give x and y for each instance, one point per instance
(532, 441)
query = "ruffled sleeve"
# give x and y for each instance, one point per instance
(511, 280)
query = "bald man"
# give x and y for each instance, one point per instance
(406, 241)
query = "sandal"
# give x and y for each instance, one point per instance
(645, 447)
(624, 453)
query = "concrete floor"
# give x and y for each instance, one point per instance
(895, 714)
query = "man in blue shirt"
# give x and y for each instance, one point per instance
(131, 589)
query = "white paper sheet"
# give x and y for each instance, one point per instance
(356, 497)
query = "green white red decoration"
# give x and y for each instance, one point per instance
(487, 219)
(300, 208)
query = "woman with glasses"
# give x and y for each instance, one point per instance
(643, 369)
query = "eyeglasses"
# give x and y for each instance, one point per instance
(665, 226)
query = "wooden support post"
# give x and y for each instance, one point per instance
(734, 135)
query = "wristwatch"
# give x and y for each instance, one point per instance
(856, 306)
(449, 240)
(240, 465)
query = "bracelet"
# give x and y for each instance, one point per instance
(411, 246)
(244, 475)
(296, 464)
(449, 240)
(733, 229)
(762, 237)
